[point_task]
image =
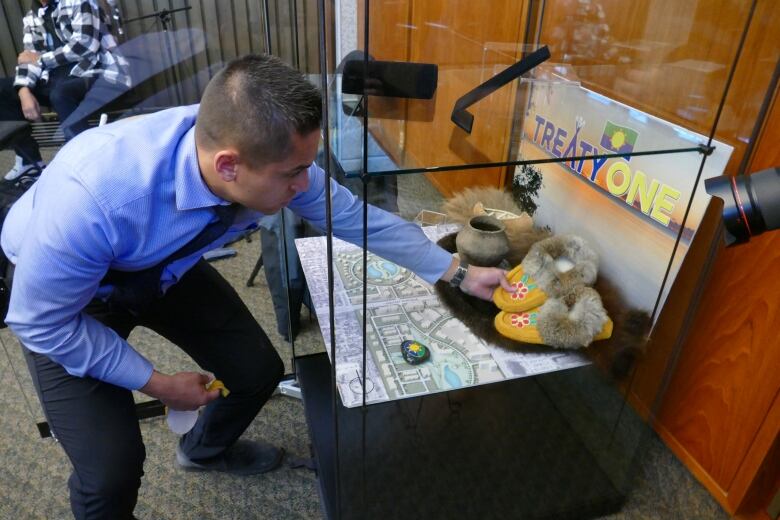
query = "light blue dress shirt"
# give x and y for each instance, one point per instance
(125, 196)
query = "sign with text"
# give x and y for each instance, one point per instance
(630, 208)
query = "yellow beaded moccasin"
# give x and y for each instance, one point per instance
(569, 323)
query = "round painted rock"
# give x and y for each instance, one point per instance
(414, 352)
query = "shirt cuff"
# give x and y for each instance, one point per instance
(133, 373)
(434, 264)
(23, 82)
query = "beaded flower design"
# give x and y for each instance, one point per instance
(524, 319)
(523, 288)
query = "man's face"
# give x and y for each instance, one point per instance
(271, 187)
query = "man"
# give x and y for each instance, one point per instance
(110, 238)
(67, 45)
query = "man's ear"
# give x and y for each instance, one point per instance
(225, 164)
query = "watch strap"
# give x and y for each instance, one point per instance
(460, 274)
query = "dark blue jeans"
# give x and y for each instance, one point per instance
(95, 422)
(62, 93)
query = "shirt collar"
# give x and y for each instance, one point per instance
(42, 8)
(191, 190)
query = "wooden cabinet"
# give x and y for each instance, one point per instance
(721, 411)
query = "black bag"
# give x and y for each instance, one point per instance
(9, 194)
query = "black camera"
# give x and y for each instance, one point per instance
(751, 203)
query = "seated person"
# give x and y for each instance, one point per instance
(67, 45)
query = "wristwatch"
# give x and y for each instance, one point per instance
(460, 274)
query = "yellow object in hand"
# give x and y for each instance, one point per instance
(182, 421)
(528, 295)
(217, 384)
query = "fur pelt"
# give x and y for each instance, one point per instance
(461, 207)
(539, 263)
(572, 320)
(617, 354)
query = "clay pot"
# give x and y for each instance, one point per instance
(483, 241)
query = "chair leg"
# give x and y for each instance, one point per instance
(258, 266)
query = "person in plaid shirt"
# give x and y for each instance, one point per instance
(67, 45)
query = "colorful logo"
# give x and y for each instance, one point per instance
(618, 139)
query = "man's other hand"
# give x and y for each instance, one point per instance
(181, 391)
(482, 281)
(30, 107)
(27, 57)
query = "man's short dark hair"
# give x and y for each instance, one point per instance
(255, 104)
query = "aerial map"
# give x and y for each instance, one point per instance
(402, 307)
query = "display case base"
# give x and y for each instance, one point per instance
(503, 450)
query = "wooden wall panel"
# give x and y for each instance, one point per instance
(767, 152)
(650, 380)
(390, 36)
(390, 33)
(464, 63)
(722, 407)
(453, 35)
(671, 58)
(765, 484)
(727, 376)
(734, 344)
(751, 80)
(666, 56)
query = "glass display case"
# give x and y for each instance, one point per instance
(578, 132)
(572, 128)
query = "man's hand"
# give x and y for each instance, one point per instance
(182, 391)
(482, 281)
(30, 107)
(27, 57)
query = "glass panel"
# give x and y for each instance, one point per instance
(152, 56)
(622, 178)
(670, 59)
(607, 140)
(422, 60)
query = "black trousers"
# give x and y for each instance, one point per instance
(62, 92)
(95, 422)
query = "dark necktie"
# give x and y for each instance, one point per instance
(134, 290)
(215, 229)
